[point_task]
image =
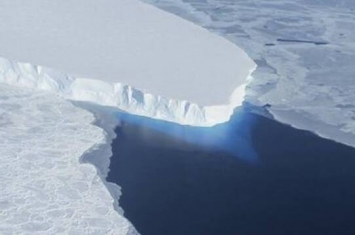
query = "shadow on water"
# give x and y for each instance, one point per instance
(184, 180)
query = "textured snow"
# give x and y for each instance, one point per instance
(44, 188)
(304, 50)
(181, 67)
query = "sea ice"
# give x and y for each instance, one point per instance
(44, 188)
(308, 85)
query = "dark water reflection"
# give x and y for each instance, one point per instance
(250, 176)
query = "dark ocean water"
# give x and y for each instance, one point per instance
(249, 176)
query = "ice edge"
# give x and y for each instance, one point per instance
(118, 95)
(99, 155)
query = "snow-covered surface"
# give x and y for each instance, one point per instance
(309, 84)
(44, 188)
(132, 43)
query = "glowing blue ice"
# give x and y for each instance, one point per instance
(233, 137)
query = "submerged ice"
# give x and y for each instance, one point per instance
(220, 138)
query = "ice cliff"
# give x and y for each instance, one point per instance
(117, 95)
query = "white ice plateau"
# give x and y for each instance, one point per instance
(126, 54)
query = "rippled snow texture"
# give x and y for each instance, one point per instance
(44, 189)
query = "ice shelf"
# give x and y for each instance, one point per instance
(126, 54)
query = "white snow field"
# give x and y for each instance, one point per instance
(44, 188)
(123, 53)
(304, 50)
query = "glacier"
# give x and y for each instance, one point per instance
(126, 54)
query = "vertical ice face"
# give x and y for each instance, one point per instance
(141, 59)
(117, 95)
